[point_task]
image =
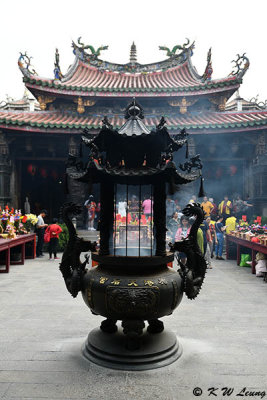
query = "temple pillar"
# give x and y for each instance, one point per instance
(106, 217)
(78, 192)
(159, 214)
(5, 171)
(259, 176)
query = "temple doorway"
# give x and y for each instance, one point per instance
(43, 184)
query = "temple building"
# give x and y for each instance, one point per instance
(35, 138)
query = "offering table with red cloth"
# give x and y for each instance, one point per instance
(7, 244)
(255, 247)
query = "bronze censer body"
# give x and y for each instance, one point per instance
(132, 282)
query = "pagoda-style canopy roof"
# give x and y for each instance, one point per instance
(89, 76)
(133, 154)
(71, 122)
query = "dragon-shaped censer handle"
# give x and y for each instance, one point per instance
(71, 266)
(194, 270)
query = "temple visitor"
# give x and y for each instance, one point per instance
(91, 209)
(200, 240)
(173, 225)
(205, 228)
(230, 224)
(182, 232)
(214, 211)
(209, 243)
(207, 206)
(53, 230)
(147, 206)
(213, 233)
(170, 208)
(225, 208)
(261, 264)
(240, 206)
(122, 205)
(40, 230)
(193, 199)
(219, 228)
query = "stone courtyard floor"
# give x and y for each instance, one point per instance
(42, 328)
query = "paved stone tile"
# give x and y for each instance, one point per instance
(4, 386)
(42, 328)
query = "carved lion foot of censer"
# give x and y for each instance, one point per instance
(132, 286)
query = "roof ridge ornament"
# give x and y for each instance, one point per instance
(183, 49)
(241, 64)
(133, 54)
(208, 70)
(25, 66)
(80, 50)
(57, 71)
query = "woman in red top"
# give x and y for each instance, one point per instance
(54, 230)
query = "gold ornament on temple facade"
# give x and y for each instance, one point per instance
(44, 100)
(81, 104)
(183, 104)
(219, 102)
(89, 103)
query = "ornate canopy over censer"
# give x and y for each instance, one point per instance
(132, 281)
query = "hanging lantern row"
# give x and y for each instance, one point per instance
(220, 172)
(32, 170)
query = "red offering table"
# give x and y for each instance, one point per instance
(20, 240)
(245, 243)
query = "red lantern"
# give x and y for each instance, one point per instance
(43, 173)
(219, 173)
(54, 174)
(31, 169)
(255, 239)
(233, 170)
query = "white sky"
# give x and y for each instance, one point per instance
(38, 27)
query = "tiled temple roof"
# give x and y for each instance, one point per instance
(90, 76)
(68, 122)
(90, 81)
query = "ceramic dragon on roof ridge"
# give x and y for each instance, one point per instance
(95, 53)
(183, 49)
(241, 65)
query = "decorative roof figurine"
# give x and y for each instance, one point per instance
(57, 71)
(183, 49)
(208, 70)
(241, 64)
(133, 55)
(80, 50)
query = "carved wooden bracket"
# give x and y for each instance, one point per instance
(183, 104)
(83, 103)
(44, 100)
(219, 101)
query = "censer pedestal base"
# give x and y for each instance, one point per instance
(109, 350)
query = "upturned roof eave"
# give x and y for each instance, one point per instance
(54, 122)
(133, 92)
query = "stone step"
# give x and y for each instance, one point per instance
(88, 235)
